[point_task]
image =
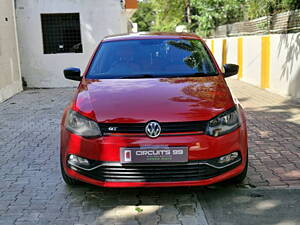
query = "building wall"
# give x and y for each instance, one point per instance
(98, 18)
(271, 62)
(10, 79)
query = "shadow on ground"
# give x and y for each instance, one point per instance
(224, 206)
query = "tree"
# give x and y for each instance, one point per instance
(290, 4)
(168, 14)
(160, 15)
(259, 8)
(202, 16)
(208, 14)
(144, 16)
(188, 12)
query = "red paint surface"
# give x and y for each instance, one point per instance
(160, 99)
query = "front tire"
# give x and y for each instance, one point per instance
(68, 180)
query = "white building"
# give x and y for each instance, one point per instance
(57, 34)
(10, 78)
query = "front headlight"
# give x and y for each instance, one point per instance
(224, 123)
(81, 125)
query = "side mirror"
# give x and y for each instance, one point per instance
(230, 70)
(72, 74)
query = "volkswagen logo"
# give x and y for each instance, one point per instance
(153, 129)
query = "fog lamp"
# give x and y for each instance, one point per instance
(228, 158)
(75, 160)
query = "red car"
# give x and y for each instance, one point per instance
(153, 110)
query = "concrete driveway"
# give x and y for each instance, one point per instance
(32, 191)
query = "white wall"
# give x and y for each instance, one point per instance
(284, 65)
(10, 79)
(98, 18)
(231, 47)
(231, 55)
(217, 53)
(252, 60)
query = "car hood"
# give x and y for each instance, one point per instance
(160, 99)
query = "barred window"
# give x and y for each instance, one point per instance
(61, 33)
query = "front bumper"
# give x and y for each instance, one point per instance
(156, 172)
(231, 172)
(202, 148)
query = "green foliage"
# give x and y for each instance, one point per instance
(159, 15)
(211, 13)
(259, 8)
(138, 209)
(168, 14)
(165, 15)
(144, 16)
(290, 4)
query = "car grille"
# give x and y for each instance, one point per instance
(139, 128)
(193, 170)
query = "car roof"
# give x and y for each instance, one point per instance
(151, 35)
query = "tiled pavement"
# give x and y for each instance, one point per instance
(32, 191)
(274, 136)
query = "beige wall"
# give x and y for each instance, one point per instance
(271, 61)
(10, 78)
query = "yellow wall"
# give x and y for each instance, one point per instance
(240, 57)
(265, 62)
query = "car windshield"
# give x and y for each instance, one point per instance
(151, 58)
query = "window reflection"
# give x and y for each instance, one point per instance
(155, 57)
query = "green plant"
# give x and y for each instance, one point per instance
(168, 14)
(259, 8)
(160, 15)
(138, 209)
(209, 14)
(144, 16)
(205, 15)
(290, 4)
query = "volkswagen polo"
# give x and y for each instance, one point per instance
(153, 110)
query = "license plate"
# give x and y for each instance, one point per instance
(154, 155)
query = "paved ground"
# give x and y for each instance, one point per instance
(232, 206)
(32, 191)
(274, 136)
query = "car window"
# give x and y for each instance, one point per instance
(151, 58)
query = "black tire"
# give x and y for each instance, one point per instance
(68, 180)
(239, 178)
